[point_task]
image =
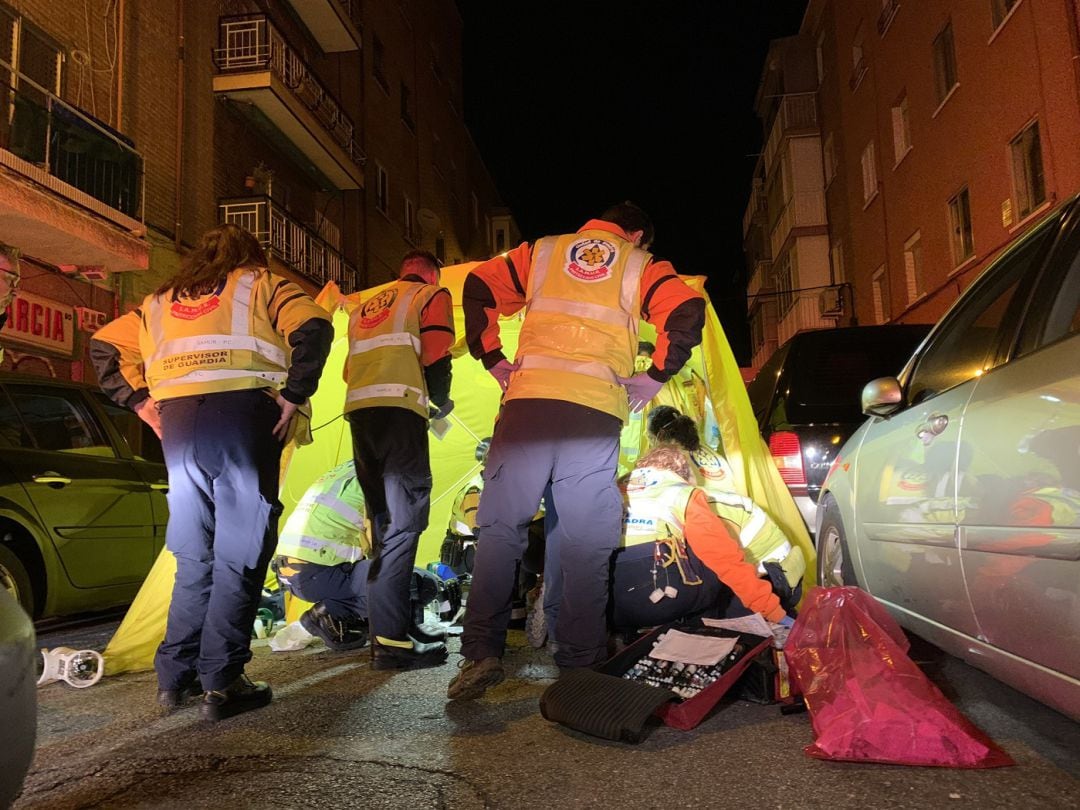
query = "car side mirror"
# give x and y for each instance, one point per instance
(882, 397)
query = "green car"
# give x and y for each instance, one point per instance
(82, 497)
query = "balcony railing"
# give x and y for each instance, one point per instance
(757, 206)
(41, 129)
(857, 73)
(252, 43)
(760, 279)
(804, 209)
(293, 243)
(804, 313)
(797, 112)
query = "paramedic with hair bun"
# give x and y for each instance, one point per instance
(217, 361)
(566, 397)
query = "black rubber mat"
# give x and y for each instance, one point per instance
(602, 705)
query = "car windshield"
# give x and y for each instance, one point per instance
(828, 373)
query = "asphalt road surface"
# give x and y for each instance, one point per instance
(340, 734)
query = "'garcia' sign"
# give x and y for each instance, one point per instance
(41, 322)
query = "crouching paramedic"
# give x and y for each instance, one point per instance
(217, 361)
(323, 556)
(679, 558)
(398, 367)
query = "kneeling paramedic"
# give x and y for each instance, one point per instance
(217, 361)
(323, 557)
(679, 558)
(398, 367)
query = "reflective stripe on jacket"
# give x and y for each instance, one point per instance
(656, 503)
(762, 540)
(327, 526)
(384, 367)
(581, 320)
(224, 341)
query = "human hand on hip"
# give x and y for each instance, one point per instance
(288, 410)
(641, 388)
(501, 371)
(147, 410)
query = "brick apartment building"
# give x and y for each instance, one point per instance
(946, 128)
(329, 128)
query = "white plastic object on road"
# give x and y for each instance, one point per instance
(291, 637)
(78, 668)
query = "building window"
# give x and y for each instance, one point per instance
(406, 107)
(1000, 10)
(410, 220)
(913, 267)
(880, 290)
(1027, 168)
(960, 233)
(944, 63)
(500, 240)
(378, 63)
(888, 11)
(858, 60)
(820, 56)
(440, 248)
(784, 295)
(828, 158)
(382, 189)
(869, 173)
(836, 261)
(475, 212)
(901, 129)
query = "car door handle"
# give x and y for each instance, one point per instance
(160, 486)
(934, 426)
(53, 479)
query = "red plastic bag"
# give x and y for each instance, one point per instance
(868, 701)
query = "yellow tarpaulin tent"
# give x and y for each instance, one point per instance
(476, 398)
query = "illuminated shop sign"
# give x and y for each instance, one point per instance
(40, 322)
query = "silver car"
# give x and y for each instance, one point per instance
(957, 504)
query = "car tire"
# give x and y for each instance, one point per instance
(14, 578)
(834, 560)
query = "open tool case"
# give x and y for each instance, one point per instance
(604, 703)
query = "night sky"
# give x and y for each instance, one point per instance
(575, 105)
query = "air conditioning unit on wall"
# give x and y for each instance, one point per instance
(831, 302)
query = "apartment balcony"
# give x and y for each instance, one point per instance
(289, 241)
(805, 312)
(257, 68)
(335, 24)
(70, 187)
(757, 208)
(761, 280)
(796, 115)
(804, 209)
(763, 352)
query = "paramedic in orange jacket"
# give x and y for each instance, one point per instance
(217, 361)
(398, 375)
(679, 558)
(567, 394)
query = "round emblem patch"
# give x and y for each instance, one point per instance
(590, 260)
(377, 308)
(187, 312)
(709, 464)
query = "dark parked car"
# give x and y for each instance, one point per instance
(82, 497)
(806, 398)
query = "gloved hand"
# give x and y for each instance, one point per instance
(501, 371)
(641, 388)
(444, 411)
(787, 622)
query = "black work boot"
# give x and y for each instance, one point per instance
(242, 695)
(181, 696)
(435, 636)
(419, 656)
(338, 634)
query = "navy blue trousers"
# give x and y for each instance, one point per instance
(393, 468)
(223, 464)
(342, 588)
(632, 585)
(570, 453)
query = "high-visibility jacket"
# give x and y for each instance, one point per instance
(655, 512)
(327, 526)
(463, 512)
(384, 368)
(581, 320)
(762, 540)
(712, 472)
(224, 341)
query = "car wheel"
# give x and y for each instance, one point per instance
(15, 579)
(834, 562)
